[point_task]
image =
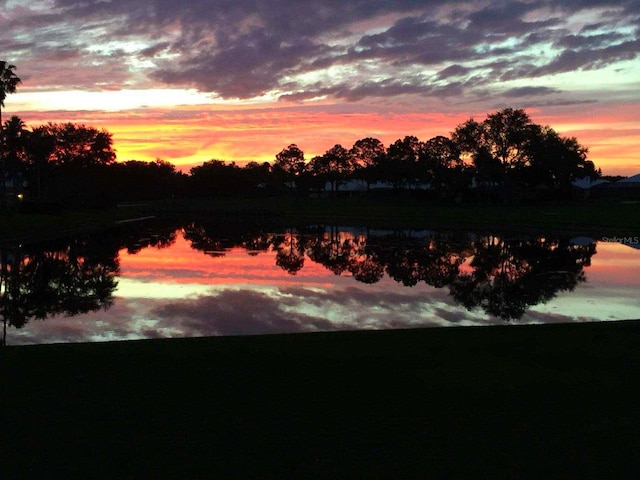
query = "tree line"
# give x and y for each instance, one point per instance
(506, 156)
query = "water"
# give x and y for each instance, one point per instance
(204, 279)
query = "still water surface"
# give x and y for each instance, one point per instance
(200, 280)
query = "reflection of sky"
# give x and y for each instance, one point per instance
(179, 291)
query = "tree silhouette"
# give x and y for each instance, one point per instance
(9, 82)
(290, 163)
(14, 139)
(503, 137)
(39, 150)
(441, 165)
(510, 276)
(289, 252)
(400, 166)
(367, 154)
(71, 278)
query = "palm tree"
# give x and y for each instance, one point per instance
(8, 83)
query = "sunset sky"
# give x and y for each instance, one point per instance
(239, 80)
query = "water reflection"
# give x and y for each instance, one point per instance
(506, 275)
(497, 275)
(67, 277)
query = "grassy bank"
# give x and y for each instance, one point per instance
(554, 401)
(602, 218)
(34, 227)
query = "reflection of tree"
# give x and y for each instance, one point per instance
(201, 239)
(366, 268)
(334, 250)
(256, 244)
(289, 252)
(510, 276)
(73, 278)
(434, 260)
(215, 238)
(156, 236)
(501, 276)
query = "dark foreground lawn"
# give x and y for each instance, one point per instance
(556, 401)
(610, 217)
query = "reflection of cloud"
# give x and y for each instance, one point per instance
(299, 309)
(237, 312)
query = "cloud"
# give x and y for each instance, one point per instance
(234, 312)
(304, 49)
(529, 91)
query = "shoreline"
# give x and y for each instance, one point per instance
(598, 218)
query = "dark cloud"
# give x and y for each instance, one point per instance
(304, 49)
(584, 42)
(453, 71)
(234, 312)
(507, 18)
(529, 91)
(245, 312)
(589, 59)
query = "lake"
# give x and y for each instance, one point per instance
(153, 280)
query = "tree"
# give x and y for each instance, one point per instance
(367, 154)
(338, 165)
(503, 138)
(69, 164)
(8, 83)
(290, 161)
(80, 146)
(400, 163)
(440, 163)
(556, 161)
(214, 177)
(39, 148)
(14, 139)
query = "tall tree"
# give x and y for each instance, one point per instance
(504, 136)
(441, 165)
(400, 166)
(339, 165)
(14, 139)
(8, 83)
(367, 155)
(290, 161)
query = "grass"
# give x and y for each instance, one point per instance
(33, 227)
(603, 217)
(553, 401)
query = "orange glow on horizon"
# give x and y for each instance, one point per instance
(189, 135)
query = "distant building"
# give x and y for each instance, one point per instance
(629, 182)
(628, 188)
(586, 183)
(586, 187)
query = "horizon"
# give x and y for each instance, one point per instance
(240, 82)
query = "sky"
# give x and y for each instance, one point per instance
(239, 80)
